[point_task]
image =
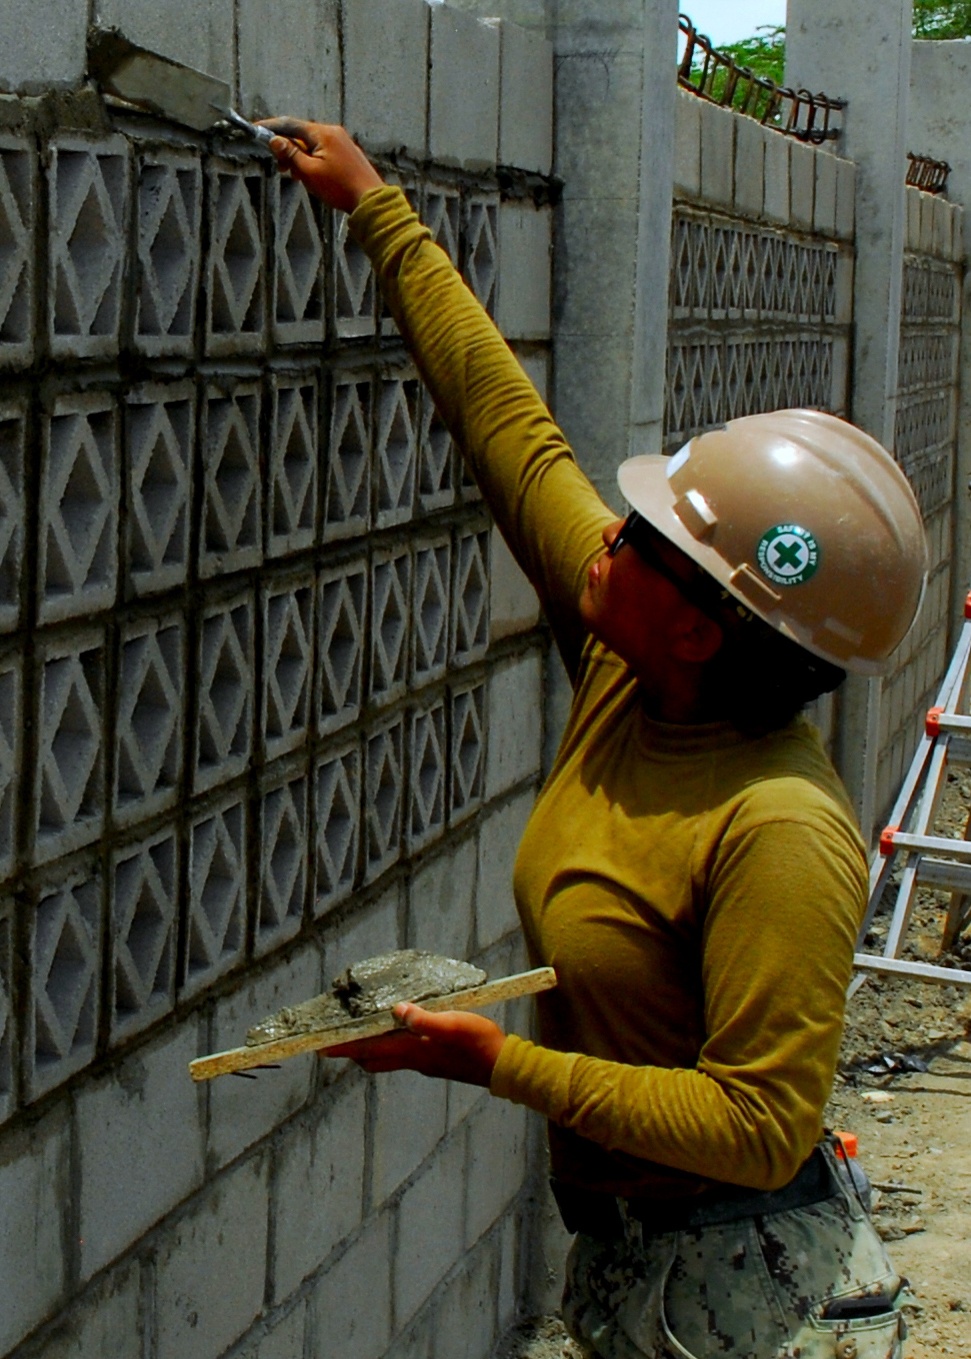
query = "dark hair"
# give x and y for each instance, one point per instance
(759, 680)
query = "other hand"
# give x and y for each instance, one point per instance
(454, 1045)
(325, 159)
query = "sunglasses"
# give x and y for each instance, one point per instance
(699, 589)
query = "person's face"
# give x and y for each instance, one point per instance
(635, 608)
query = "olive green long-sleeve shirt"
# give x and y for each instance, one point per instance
(698, 892)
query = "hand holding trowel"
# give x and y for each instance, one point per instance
(162, 86)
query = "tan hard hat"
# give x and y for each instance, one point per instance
(805, 519)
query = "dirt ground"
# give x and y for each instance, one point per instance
(904, 1088)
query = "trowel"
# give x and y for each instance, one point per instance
(162, 86)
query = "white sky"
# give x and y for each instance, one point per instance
(729, 20)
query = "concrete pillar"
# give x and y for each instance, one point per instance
(862, 53)
(615, 99)
(939, 125)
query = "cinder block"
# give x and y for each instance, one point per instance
(687, 146)
(777, 178)
(525, 99)
(285, 1340)
(236, 284)
(206, 42)
(431, 1212)
(513, 602)
(525, 254)
(957, 232)
(384, 797)
(386, 82)
(12, 437)
(462, 1098)
(470, 593)
(824, 206)
(140, 1132)
(750, 139)
(341, 597)
(337, 816)
(390, 623)
(218, 872)
(717, 154)
(466, 1323)
(298, 312)
(37, 56)
(66, 930)
(802, 179)
(468, 749)
(514, 723)
(150, 722)
(913, 197)
(409, 1123)
(144, 903)
(496, 1166)
(537, 369)
(318, 1186)
(926, 246)
(158, 452)
(425, 804)
(298, 71)
(35, 1190)
(507, 1291)
(288, 643)
(284, 817)
(211, 1267)
(168, 213)
(8, 1035)
(89, 186)
(943, 236)
(350, 1306)
(18, 213)
(11, 754)
(463, 97)
(105, 1323)
(232, 513)
(601, 91)
(78, 550)
(499, 837)
(845, 199)
(365, 934)
(396, 448)
(237, 1120)
(224, 734)
(440, 902)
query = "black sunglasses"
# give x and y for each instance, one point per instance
(700, 589)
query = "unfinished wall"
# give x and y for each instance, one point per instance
(270, 695)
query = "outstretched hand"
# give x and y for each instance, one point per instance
(454, 1044)
(324, 159)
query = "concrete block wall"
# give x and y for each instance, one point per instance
(926, 446)
(760, 299)
(270, 694)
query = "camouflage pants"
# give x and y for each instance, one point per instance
(758, 1288)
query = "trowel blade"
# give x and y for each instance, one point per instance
(156, 83)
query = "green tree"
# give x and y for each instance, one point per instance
(764, 53)
(934, 19)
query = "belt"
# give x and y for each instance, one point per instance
(597, 1214)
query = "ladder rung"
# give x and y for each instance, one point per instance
(893, 839)
(944, 873)
(938, 720)
(947, 976)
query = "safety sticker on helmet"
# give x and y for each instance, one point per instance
(787, 554)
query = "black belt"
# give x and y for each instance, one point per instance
(602, 1215)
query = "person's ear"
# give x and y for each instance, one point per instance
(697, 637)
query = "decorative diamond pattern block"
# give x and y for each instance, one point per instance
(482, 251)
(159, 440)
(341, 596)
(436, 458)
(18, 195)
(78, 549)
(347, 506)
(65, 982)
(470, 596)
(390, 614)
(235, 273)
(396, 450)
(337, 817)
(467, 750)
(89, 188)
(283, 867)
(298, 280)
(430, 610)
(355, 290)
(169, 228)
(7, 1034)
(144, 921)
(11, 738)
(69, 774)
(13, 513)
(428, 777)
(383, 798)
(292, 495)
(232, 507)
(288, 616)
(150, 722)
(224, 739)
(443, 217)
(216, 924)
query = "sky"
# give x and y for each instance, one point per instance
(728, 20)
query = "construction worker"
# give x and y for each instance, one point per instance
(691, 869)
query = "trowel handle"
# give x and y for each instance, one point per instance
(259, 134)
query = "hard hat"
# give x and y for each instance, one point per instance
(802, 517)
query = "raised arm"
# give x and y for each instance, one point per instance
(547, 510)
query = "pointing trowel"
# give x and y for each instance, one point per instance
(162, 86)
